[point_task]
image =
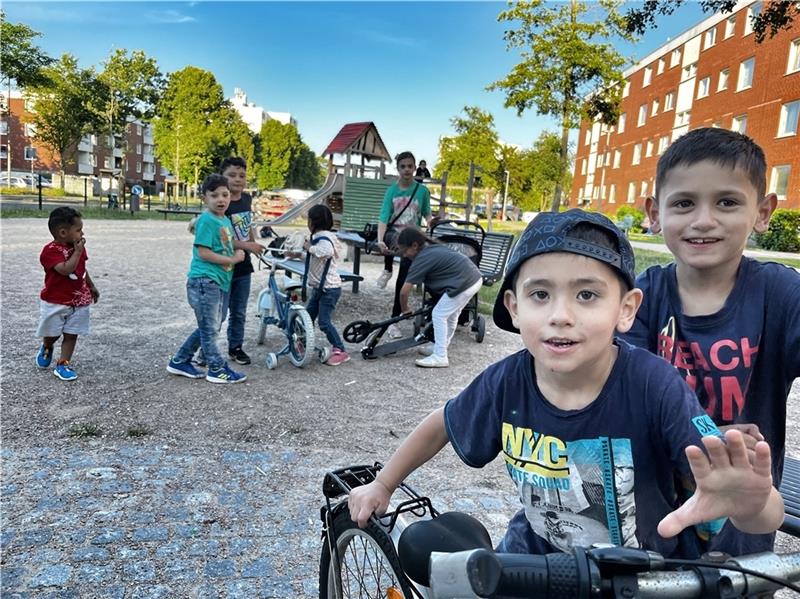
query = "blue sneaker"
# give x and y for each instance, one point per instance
(184, 369)
(225, 375)
(44, 357)
(64, 371)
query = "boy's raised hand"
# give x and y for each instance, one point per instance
(728, 485)
(363, 501)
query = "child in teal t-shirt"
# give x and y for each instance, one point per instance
(210, 273)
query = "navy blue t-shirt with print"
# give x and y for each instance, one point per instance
(601, 474)
(241, 214)
(740, 361)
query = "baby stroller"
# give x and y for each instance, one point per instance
(466, 238)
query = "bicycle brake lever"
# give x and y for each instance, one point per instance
(614, 561)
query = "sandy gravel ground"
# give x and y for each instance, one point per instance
(361, 409)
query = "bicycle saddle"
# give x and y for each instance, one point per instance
(450, 532)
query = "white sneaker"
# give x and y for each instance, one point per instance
(432, 361)
(394, 332)
(383, 279)
(425, 350)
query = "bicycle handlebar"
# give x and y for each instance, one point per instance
(603, 572)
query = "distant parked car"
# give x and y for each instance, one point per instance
(13, 181)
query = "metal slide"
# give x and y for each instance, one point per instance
(334, 183)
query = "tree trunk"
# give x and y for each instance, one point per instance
(562, 166)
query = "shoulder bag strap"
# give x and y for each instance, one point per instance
(399, 214)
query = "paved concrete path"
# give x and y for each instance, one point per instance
(662, 248)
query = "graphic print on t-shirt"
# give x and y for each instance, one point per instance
(717, 370)
(410, 215)
(241, 225)
(575, 493)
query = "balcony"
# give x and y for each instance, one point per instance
(147, 136)
(118, 152)
(85, 145)
(148, 157)
(85, 169)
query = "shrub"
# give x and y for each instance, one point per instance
(638, 216)
(783, 234)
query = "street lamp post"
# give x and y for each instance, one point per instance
(177, 161)
(505, 197)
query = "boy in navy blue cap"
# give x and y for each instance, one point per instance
(591, 428)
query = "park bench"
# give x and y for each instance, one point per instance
(494, 252)
(298, 267)
(790, 490)
(166, 211)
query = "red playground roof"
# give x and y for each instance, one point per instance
(359, 138)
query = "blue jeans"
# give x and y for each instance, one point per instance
(206, 299)
(323, 304)
(236, 303)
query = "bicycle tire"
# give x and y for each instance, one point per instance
(300, 334)
(365, 553)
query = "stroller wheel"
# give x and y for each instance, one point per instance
(324, 354)
(479, 328)
(272, 361)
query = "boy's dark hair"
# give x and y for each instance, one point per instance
(403, 156)
(721, 146)
(320, 218)
(61, 217)
(214, 181)
(411, 235)
(233, 161)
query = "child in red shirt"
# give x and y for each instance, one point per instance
(68, 291)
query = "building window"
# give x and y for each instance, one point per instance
(3, 127)
(30, 130)
(138, 167)
(779, 181)
(675, 58)
(608, 158)
(93, 159)
(4, 151)
(730, 26)
(617, 158)
(752, 12)
(723, 79)
(583, 166)
(689, 71)
(138, 148)
(703, 87)
(717, 124)
(642, 115)
(109, 141)
(612, 194)
(661, 64)
(588, 137)
(788, 122)
(107, 162)
(138, 129)
(643, 189)
(637, 154)
(626, 90)
(649, 149)
(739, 124)
(631, 192)
(683, 118)
(599, 161)
(648, 76)
(621, 124)
(710, 37)
(30, 153)
(794, 57)
(30, 105)
(669, 101)
(654, 110)
(746, 74)
(663, 143)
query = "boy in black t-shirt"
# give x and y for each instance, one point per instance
(591, 429)
(730, 325)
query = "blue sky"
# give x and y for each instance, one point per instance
(409, 67)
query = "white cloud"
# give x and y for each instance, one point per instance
(168, 16)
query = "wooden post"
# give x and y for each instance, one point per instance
(468, 202)
(443, 196)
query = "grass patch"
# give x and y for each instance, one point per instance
(85, 430)
(137, 430)
(47, 192)
(90, 212)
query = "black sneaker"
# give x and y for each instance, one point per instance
(238, 355)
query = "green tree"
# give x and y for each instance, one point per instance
(570, 69)
(476, 141)
(773, 17)
(285, 160)
(21, 61)
(63, 107)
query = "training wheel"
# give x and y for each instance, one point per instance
(272, 361)
(324, 354)
(480, 328)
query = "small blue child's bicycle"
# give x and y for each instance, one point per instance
(281, 306)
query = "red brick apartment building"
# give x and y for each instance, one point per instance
(713, 75)
(93, 157)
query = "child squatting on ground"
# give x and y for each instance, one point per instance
(446, 273)
(68, 291)
(322, 267)
(591, 428)
(210, 272)
(730, 325)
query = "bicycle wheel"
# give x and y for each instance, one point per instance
(300, 331)
(367, 561)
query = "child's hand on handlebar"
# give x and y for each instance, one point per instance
(364, 501)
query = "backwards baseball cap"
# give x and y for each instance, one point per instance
(550, 232)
